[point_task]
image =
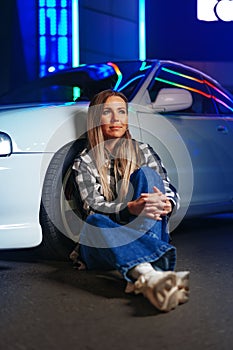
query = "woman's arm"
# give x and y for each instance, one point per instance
(152, 159)
(90, 189)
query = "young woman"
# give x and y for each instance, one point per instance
(127, 200)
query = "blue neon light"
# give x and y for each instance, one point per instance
(42, 24)
(54, 35)
(130, 81)
(63, 3)
(51, 14)
(75, 33)
(142, 30)
(62, 26)
(42, 47)
(75, 42)
(51, 3)
(144, 66)
(63, 50)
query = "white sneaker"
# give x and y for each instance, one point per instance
(182, 280)
(160, 288)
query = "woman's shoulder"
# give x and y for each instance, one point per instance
(143, 146)
(147, 150)
(83, 157)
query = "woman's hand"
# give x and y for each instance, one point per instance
(152, 205)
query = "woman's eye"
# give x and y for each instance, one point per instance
(106, 111)
(122, 111)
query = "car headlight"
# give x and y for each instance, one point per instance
(5, 145)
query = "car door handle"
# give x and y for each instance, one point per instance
(223, 129)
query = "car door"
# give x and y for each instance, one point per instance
(200, 131)
(224, 104)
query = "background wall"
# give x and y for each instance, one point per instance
(175, 32)
(18, 43)
(109, 30)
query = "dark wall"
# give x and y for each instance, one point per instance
(9, 43)
(18, 53)
(174, 32)
(108, 30)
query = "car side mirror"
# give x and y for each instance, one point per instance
(5, 145)
(171, 100)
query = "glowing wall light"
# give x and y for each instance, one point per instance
(142, 30)
(75, 33)
(55, 35)
(75, 42)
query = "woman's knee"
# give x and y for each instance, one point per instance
(150, 176)
(95, 219)
(100, 220)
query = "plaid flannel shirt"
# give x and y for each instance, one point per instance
(90, 189)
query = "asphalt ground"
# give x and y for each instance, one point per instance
(48, 305)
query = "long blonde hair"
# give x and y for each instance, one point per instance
(126, 154)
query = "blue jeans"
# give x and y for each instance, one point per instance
(108, 245)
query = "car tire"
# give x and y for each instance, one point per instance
(59, 184)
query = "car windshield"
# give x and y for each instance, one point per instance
(82, 83)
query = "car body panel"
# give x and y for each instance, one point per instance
(21, 190)
(32, 131)
(205, 145)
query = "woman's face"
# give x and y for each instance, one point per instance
(114, 118)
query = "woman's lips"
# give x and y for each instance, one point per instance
(115, 127)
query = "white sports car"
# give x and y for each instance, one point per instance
(185, 115)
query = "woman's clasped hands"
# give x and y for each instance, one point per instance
(152, 205)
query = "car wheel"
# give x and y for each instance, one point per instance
(60, 216)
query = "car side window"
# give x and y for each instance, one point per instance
(222, 99)
(169, 76)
